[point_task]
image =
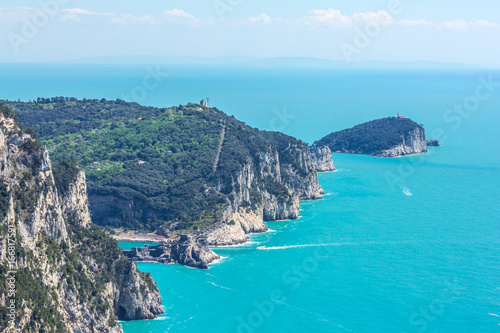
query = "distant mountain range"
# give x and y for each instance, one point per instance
(253, 62)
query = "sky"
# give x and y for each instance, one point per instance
(460, 31)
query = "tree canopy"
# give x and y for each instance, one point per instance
(371, 137)
(159, 159)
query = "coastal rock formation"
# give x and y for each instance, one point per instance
(131, 299)
(412, 142)
(433, 143)
(75, 202)
(243, 221)
(387, 137)
(66, 267)
(321, 158)
(185, 251)
(187, 169)
(269, 190)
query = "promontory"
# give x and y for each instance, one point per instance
(386, 137)
(183, 170)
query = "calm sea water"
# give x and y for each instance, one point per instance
(367, 258)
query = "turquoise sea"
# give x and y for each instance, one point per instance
(370, 257)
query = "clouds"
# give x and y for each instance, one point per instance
(311, 32)
(416, 23)
(334, 19)
(175, 16)
(76, 14)
(79, 11)
(262, 18)
(180, 13)
(79, 15)
(381, 17)
(326, 18)
(462, 26)
(317, 19)
(456, 25)
(129, 19)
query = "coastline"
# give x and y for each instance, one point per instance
(155, 238)
(140, 238)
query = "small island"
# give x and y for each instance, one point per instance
(386, 137)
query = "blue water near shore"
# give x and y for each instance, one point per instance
(367, 258)
(130, 245)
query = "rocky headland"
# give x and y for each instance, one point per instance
(387, 137)
(163, 177)
(321, 158)
(69, 275)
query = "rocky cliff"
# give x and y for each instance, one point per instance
(412, 142)
(321, 158)
(268, 188)
(189, 169)
(386, 137)
(135, 295)
(58, 271)
(185, 251)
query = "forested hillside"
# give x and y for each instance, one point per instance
(154, 167)
(67, 272)
(372, 137)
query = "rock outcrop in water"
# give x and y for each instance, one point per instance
(186, 251)
(387, 137)
(321, 158)
(433, 143)
(69, 276)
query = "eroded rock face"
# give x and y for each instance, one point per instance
(49, 229)
(75, 202)
(131, 299)
(185, 251)
(268, 191)
(321, 158)
(413, 142)
(276, 209)
(242, 221)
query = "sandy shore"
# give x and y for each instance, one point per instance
(146, 238)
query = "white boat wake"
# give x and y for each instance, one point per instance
(216, 285)
(284, 247)
(406, 190)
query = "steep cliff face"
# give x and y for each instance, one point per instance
(176, 169)
(135, 295)
(412, 142)
(57, 270)
(75, 202)
(268, 188)
(321, 158)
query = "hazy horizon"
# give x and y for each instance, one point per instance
(250, 62)
(55, 31)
